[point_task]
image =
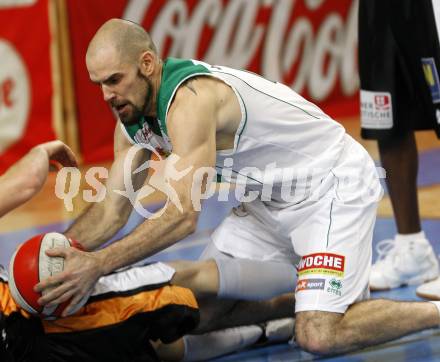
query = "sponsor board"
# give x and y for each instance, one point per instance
(15, 95)
(309, 45)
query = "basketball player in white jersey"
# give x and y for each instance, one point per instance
(311, 192)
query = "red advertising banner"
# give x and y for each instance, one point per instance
(25, 78)
(309, 45)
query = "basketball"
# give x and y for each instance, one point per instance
(30, 265)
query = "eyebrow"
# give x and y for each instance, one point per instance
(105, 79)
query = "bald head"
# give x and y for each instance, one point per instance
(125, 39)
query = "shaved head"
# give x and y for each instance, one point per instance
(125, 39)
(123, 61)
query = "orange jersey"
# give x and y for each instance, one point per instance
(125, 311)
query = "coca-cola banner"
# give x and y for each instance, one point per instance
(309, 45)
(25, 78)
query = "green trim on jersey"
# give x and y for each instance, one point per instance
(243, 125)
(174, 72)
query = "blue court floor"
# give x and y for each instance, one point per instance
(423, 346)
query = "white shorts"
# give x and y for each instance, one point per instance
(328, 237)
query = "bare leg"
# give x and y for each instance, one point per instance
(220, 314)
(364, 324)
(400, 160)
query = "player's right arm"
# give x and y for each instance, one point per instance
(103, 219)
(24, 179)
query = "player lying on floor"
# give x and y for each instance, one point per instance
(126, 310)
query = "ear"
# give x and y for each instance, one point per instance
(148, 63)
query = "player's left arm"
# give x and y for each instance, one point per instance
(192, 130)
(191, 127)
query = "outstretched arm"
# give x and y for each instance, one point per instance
(192, 129)
(103, 219)
(24, 179)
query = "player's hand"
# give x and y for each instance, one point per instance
(59, 152)
(82, 270)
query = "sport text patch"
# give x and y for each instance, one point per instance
(310, 284)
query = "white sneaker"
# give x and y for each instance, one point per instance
(403, 263)
(430, 290)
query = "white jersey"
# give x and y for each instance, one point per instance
(282, 138)
(287, 149)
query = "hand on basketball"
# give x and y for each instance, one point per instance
(80, 274)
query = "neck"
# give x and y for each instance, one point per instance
(156, 81)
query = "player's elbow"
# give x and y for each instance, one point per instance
(114, 216)
(190, 222)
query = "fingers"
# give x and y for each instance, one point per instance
(58, 151)
(57, 295)
(50, 283)
(80, 273)
(55, 281)
(73, 303)
(65, 157)
(58, 252)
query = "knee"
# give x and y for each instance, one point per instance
(316, 344)
(200, 276)
(315, 336)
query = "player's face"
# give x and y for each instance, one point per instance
(131, 97)
(124, 87)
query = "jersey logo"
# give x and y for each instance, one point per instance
(382, 102)
(143, 135)
(322, 263)
(431, 77)
(310, 284)
(376, 110)
(146, 136)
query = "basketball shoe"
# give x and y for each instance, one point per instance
(403, 261)
(429, 290)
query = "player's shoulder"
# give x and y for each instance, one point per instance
(197, 90)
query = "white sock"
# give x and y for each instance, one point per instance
(214, 344)
(410, 237)
(280, 330)
(437, 304)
